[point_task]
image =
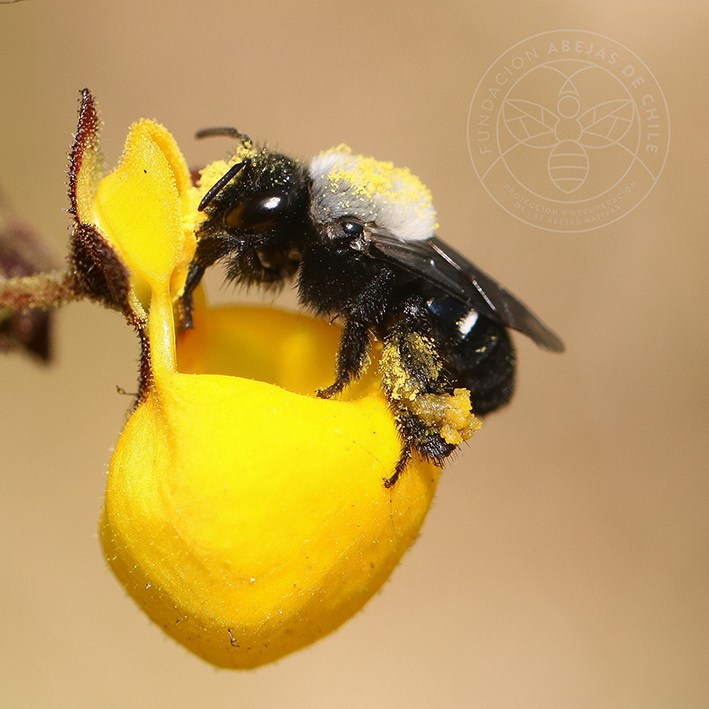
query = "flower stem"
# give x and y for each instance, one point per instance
(43, 291)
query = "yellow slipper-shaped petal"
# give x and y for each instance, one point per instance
(248, 520)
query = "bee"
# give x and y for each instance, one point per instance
(358, 237)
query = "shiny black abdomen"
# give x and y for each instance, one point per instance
(479, 357)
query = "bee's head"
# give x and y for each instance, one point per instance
(257, 216)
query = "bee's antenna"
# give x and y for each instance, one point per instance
(223, 131)
(219, 185)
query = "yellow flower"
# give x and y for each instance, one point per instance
(244, 515)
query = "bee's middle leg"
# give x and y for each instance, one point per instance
(351, 357)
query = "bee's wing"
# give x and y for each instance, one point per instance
(443, 266)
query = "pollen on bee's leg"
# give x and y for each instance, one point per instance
(448, 415)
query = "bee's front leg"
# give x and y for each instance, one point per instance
(194, 276)
(209, 251)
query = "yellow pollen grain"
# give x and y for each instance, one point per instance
(449, 415)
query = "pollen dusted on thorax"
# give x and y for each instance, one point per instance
(373, 190)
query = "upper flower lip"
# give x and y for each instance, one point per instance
(143, 205)
(143, 209)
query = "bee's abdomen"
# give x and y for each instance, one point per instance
(487, 365)
(479, 353)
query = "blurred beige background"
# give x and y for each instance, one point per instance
(565, 561)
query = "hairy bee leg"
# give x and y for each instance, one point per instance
(209, 250)
(413, 349)
(401, 464)
(194, 276)
(351, 357)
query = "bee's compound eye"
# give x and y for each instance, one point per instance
(259, 212)
(352, 228)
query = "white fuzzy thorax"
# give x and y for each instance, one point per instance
(372, 191)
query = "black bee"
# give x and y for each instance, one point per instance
(358, 236)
